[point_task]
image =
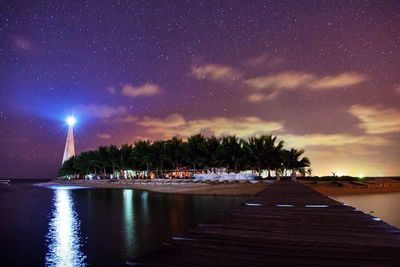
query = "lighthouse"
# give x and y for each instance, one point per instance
(69, 150)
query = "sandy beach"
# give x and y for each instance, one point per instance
(330, 188)
(371, 186)
(177, 187)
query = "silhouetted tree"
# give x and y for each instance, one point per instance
(196, 151)
(258, 154)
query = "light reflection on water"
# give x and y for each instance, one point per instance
(63, 238)
(383, 206)
(128, 218)
(134, 210)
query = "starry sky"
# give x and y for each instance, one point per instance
(322, 75)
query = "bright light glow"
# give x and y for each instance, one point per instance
(339, 173)
(71, 120)
(316, 206)
(361, 176)
(252, 204)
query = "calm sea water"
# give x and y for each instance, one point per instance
(97, 227)
(384, 206)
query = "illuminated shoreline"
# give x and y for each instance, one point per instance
(168, 186)
(330, 188)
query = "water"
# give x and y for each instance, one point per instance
(383, 206)
(97, 227)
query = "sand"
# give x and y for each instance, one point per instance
(181, 187)
(372, 186)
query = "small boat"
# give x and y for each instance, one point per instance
(4, 181)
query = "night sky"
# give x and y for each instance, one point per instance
(322, 75)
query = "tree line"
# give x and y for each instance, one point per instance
(197, 152)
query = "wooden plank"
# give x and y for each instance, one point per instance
(287, 224)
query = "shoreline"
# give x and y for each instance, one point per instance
(343, 188)
(181, 187)
(238, 188)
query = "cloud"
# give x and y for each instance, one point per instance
(21, 43)
(376, 120)
(176, 124)
(331, 140)
(284, 80)
(258, 97)
(103, 111)
(292, 80)
(103, 136)
(257, 61)
(264, 60)
(171, 121)
(147, 89)
(215, 72)
(128, 119)
(341, 80)
(397, 89)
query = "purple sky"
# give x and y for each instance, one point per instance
(322, 75)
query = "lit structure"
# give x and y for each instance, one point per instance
(69, 150)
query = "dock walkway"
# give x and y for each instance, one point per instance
(287, 224)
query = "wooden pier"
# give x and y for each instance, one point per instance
(287, 224)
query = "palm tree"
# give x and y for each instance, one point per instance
(292, 159)
(94, 162)
(68, 168)
(114, 158)
(272, 153)
(126, 159)
(143, 154)
(309, 172)
(212, 146)
(258, 154)
(159, 157)
(255, 150)
(196, 151)
(104, 159)
(175, 152)
(231, 152)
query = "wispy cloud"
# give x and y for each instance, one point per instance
(127, 119)
(272, 85)
(147, 89)
(377, 120)
(171, 121)
(258, 97)
(215, 72)
(103, 136)
(264, 60)
(284, 80)
(176, 124)
(345, 79)
(332, 140)
(102, 111)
